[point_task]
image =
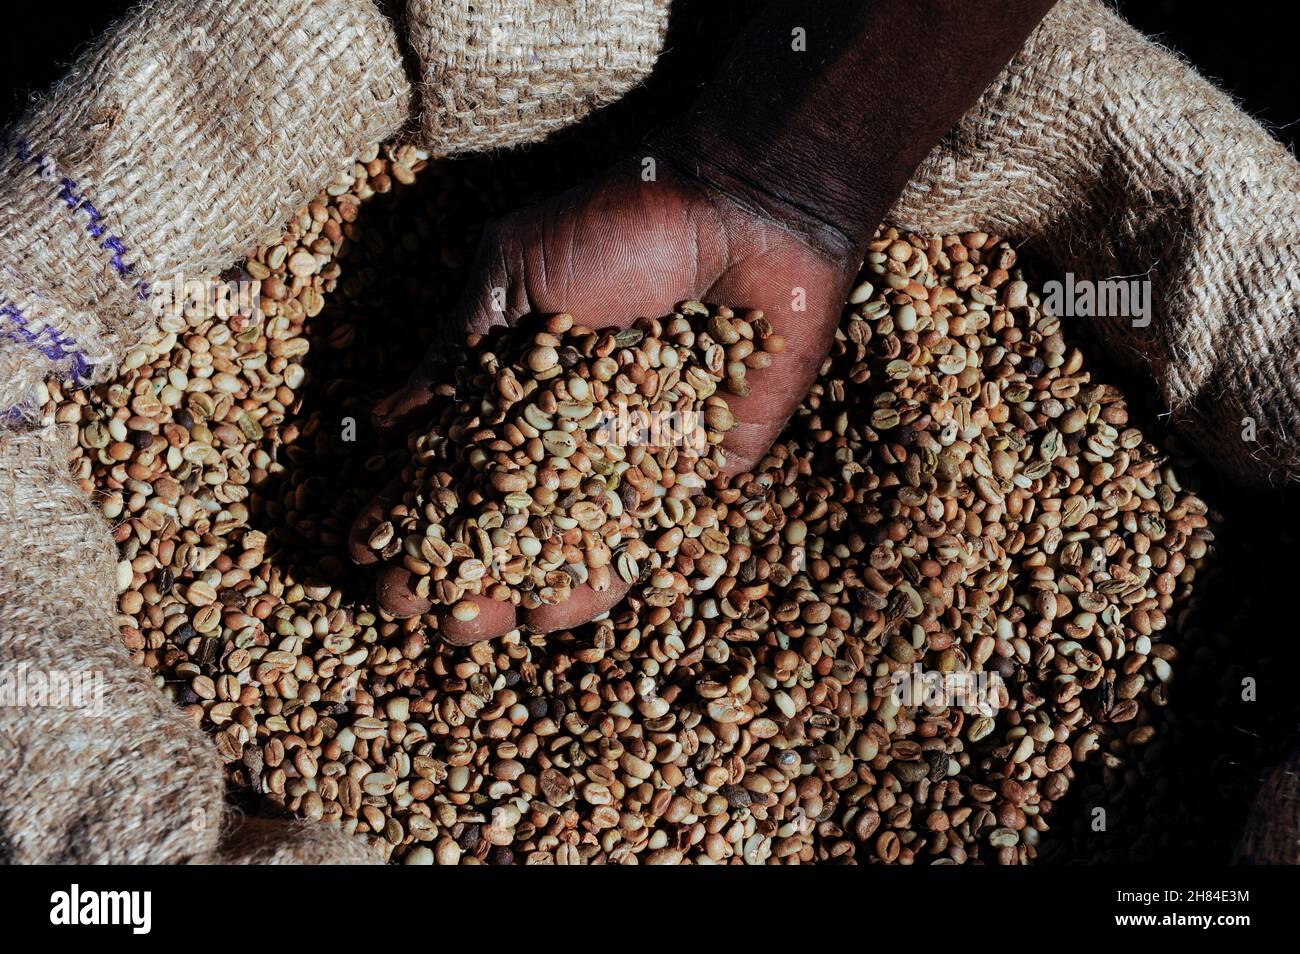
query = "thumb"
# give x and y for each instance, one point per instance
(491, 298)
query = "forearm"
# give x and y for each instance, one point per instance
(822, 129)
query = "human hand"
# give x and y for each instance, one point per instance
(615, 249)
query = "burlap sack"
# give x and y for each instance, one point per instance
(520, 70)
(184, 136)
(184, 132)
(1272, 835)
(192, 130)
(105, 770)
(1109, 156)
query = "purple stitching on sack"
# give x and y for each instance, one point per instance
(76, 201)
(95, 228)
(114, 244)
(48, 340)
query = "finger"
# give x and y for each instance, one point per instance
(375, 513)
(610, 252)
(806, 333)
(402, 411)
(745, 446)
(490, 299)
(395, 585)
(395, 589)
(496, 294)
(494, 619)
(775, 393)
(583, 605)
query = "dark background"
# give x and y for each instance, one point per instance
(1254, 62)
(1187, 801)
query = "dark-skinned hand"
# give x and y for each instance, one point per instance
(612, 250)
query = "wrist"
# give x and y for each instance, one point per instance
(816, 120)
(809, 199)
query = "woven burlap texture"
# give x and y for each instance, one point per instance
(187, 134)
(113, 774)
(1272, 835)
(1109, 156)
(69, 773)
(191, 131)
(516, 70)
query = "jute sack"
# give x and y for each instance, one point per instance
(1272, 835)
(97, 766)
(1111, 157)
(192, 130)
(187, 134)
(1108, 154)
(518, 70)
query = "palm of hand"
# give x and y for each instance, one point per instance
(610, 252)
